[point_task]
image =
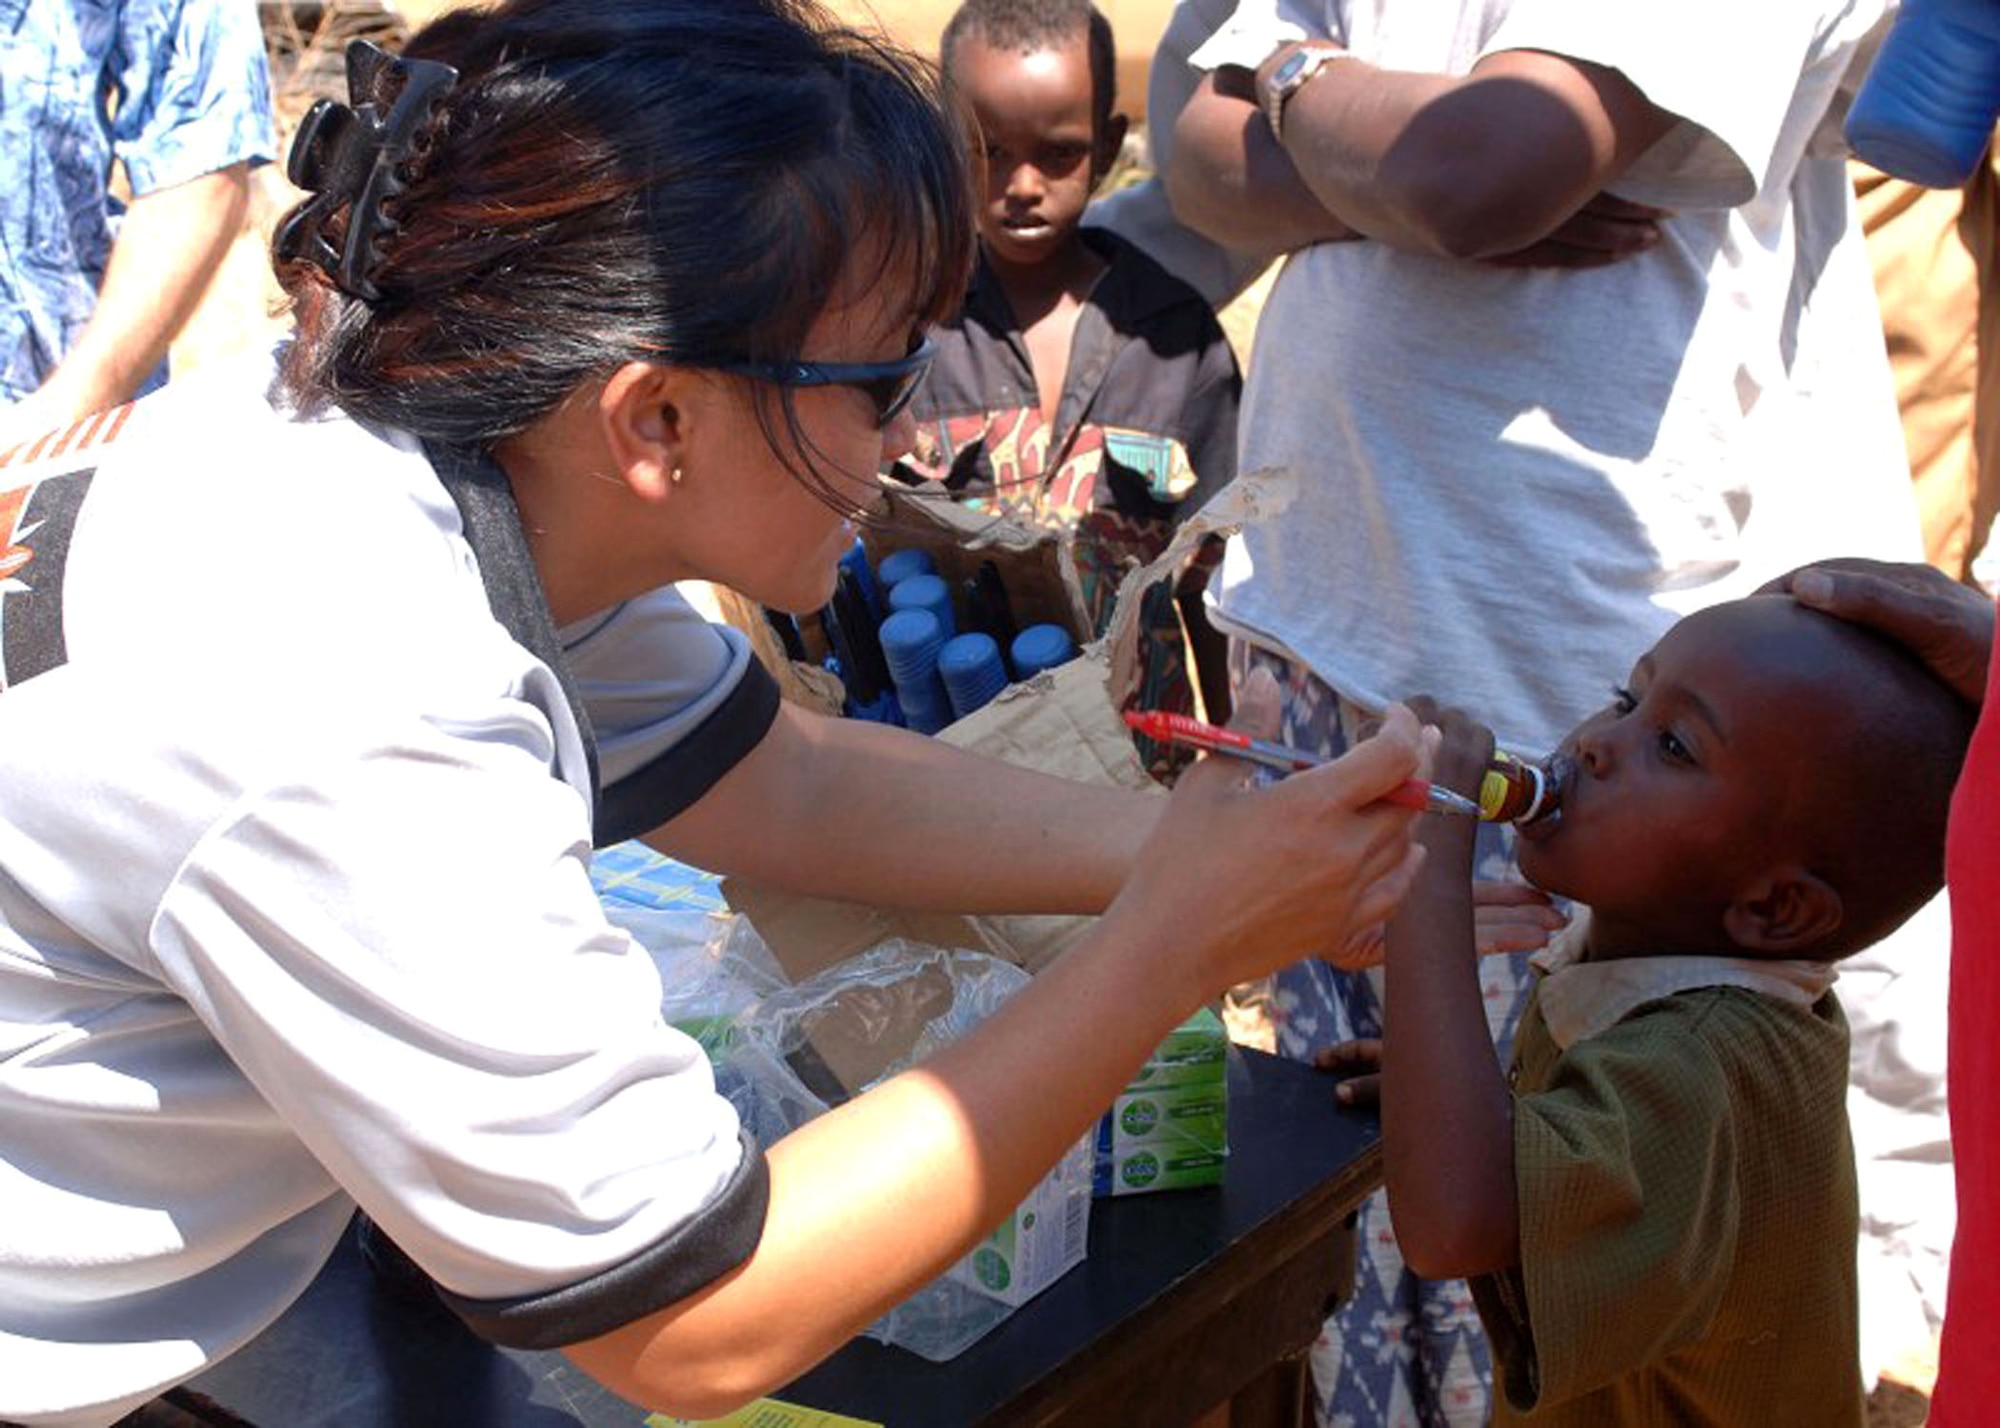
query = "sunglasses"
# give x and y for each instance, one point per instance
(890, 385)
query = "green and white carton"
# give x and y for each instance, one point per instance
(1046, 1236)
(1169, 1129)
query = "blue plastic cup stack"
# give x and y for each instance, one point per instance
(899, 565)
(911, 641)
(972, 671)
(925, 592)
(1040, 647)
(1926, 108)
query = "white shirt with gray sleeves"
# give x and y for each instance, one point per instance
(295, 912)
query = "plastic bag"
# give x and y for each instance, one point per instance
(802, 1049)
(713, 967)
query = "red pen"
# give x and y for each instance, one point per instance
(1180, 729)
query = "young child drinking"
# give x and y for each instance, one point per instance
(1082, 385)
(1656, 1205)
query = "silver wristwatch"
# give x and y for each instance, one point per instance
(1290, 77)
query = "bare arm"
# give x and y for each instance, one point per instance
(1447, 1115)
(845, 808)
(1479, 166)
(873, 1199)
(1229, 181)
(168, 246)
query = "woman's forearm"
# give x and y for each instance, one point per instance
(874, 1199)
(847, 809)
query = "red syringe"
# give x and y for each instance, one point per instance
(1181, 729)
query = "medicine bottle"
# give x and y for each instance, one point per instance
(1514, 790)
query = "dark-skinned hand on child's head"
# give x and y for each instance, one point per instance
(1946, 625)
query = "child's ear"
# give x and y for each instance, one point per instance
(1783, 912)
(1110, 139)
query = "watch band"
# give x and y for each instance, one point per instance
(1292, 75)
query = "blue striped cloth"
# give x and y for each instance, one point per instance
(633, 873)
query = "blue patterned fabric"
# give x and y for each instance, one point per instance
(634, 874)
(171, 89)
(1400, 1352)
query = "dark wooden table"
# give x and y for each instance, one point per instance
(1188, 1298)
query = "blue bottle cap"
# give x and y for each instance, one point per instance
(972, 671)
(910, 643)
(925, 592)
(899, 565)
(1041, 647)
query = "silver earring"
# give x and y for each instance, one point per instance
(675, 476)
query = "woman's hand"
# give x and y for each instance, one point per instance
(1946, 625)
(1249, 879)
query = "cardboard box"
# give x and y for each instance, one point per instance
(1063, 722)
(1034, 561)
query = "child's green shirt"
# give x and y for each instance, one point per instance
(1688, 1220)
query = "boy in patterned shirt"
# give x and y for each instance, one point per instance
(1082, 386)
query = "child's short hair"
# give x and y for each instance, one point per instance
(1896, 742)
(1025, 26)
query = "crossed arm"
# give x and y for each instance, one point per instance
(1507, 163)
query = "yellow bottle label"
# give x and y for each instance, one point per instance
(1494, 787)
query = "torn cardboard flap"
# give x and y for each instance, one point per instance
(1253, 496)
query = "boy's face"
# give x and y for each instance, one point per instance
(1675, 797)
(1042, 152)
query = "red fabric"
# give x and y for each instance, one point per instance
(1968, 1385)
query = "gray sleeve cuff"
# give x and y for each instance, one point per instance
(653, 793)
(694, 1256)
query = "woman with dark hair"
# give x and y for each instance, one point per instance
(318, 691)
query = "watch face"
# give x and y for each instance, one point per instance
(1294, 62)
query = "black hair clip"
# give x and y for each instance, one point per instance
(350, 156)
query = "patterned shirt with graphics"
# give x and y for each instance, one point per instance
(1144, 433)
(1145, 430)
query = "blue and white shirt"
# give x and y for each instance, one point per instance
(171, 89)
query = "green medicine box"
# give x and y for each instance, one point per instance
(1169, 1129)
